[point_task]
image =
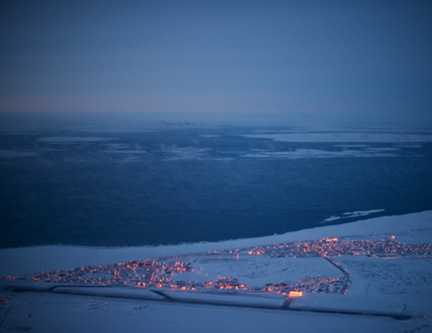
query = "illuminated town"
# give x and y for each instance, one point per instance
(169, 273)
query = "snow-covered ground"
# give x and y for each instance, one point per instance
(385, 262)
(343, 136)
(349, 215)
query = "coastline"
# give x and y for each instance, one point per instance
(382, 293)
(32, 260)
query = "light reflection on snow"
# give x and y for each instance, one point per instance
(167, 273)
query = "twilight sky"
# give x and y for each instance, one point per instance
(344, 57)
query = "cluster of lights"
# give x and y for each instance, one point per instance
(139, 272)
(336, 247)
(160, 274)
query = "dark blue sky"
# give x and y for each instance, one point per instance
(346, 57)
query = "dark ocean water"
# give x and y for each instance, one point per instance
(186, 185)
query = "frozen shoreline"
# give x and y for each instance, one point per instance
(381, 290)
(32, 260)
